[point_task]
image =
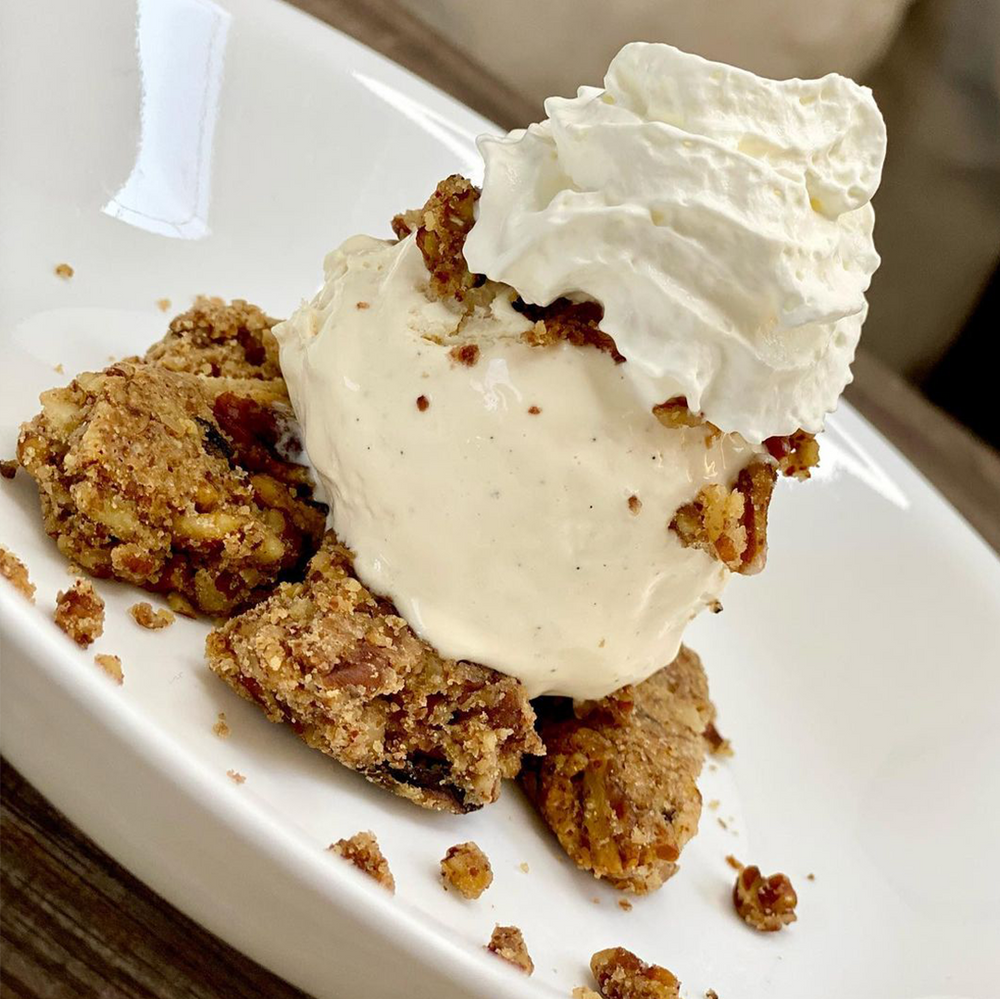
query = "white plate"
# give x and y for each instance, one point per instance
(225, 149)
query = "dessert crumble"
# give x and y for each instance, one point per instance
(144, 616)
(64, 271)
(765, 903)
(16, 573)
(8, 468)
(796, 454)
(617, 785)
(80, 612)
(355, 682)
(466, 869)
(422, 403)
(111, 665)
(163, 304)
(622, 975)
(221, 727)
(625, 905)
(236, 777)
(534, 410)
(634, 504)
(717, 744)
(508, 942)
(363, 851)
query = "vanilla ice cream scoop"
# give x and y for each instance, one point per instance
(721, 219)
(517, 509)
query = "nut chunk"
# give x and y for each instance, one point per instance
(80, 612)
(766, 904)
(507, 942)
(617, 783)
(111, 665)
(363, 851)
(467, 869)
(731, 524)
(144, 616)
(16, 573)
(355, 682)
(621, 975)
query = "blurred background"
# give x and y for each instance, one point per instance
(934, 66)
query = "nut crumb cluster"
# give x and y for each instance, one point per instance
(765, 903)
(80, 612)
(8, 468)
(622, 975)
(16, 573)
(363, 851)
(466, 869)
(153, 620)
(111, 665)
(508, 942)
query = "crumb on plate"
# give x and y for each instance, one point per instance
(65, 271)
(625, 905)
(422, 403)
(622, 975)
(111, 665)
(221, 727)
(80, 612)
(765, 903)
(363, 851)
(16, 573)
(508, 942)
(144, 616)
(523, 867)
(8, 468)
(163, 304)
(236, 777)
(466, 869)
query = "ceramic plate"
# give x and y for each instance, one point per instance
(186, 146)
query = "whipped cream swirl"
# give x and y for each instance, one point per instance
(722, 220)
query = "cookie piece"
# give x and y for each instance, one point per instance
(154, 477)
(466, 869)
(622, 975)
(765, 903)
(363, 851)
(16, 573)
(355, 682)
(508, 942)
(80, 612)
(617, 783)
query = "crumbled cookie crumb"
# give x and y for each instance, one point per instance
(523, 867)
(466, 353)
(80, 612)
(634, 504)
(622, 975)
(8, 468)
(713, 805)
(144, 616)
(534, 410)
(766, 904)
(674, 413)
(711, 994)
(733, 862)
(363, 851)
(221, 727)
(625, 905)
(58, 369)
(363, 305)
(16, 573)
(111, 665)
(718, 745)
(64, 271)
(508, 942)
(467, 869)
(180, 604)
(163, 304)
(722, 822)
(236, 777)
(422, 403)
(810, 877)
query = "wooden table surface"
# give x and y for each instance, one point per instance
(74, 924)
